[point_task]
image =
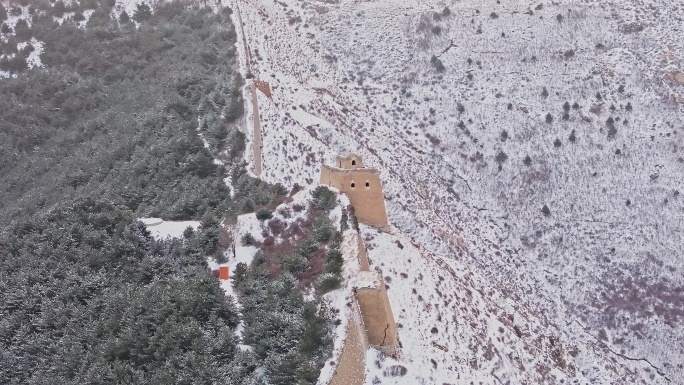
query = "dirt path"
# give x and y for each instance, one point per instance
(256, 133)
(351, 367)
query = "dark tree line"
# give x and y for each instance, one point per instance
(87, 297)
(106, 132)
(115, 114)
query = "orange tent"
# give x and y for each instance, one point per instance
(223, 272)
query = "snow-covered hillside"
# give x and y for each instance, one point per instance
(569, 208)
(455, 327)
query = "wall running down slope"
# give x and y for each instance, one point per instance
(534, 149)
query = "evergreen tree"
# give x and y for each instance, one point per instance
(142, 13)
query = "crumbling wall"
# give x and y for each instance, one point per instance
(381, 329)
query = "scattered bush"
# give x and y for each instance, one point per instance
(247, 239)
(188, 232)
(142, 13)
(572, 138)
(58, 9)
(546, 211)
(437, 64)
(549, 118)
(22, 30)
(324, 198)
(334, 263)
(263, 214)
(527, 161)
(26, 51)
(501, 157)
(13, 65)
(557, 143)
(446, 12)
(436, 30)
(632, 27)
(353, 218)
(493, 15)
(503, 135)
(294, 263)
(344, 220)
(544, 93)
(395, 371)
(327, 283)
(323, 230)
(559, 17)
(612, 130)
(308, 247)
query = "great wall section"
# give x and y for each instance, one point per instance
(371, 321)
(252, 85)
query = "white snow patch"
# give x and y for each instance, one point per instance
(161, 229)
(249, 224)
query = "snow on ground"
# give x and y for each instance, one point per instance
(249, 224)
(161, 229)
(335, 301)
(450, 145)
(453, 328)
(246, 223)
(34, 57)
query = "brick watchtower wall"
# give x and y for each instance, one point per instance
(361, 184)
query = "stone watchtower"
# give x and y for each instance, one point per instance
(361, 184)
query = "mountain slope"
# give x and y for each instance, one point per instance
(449, 104)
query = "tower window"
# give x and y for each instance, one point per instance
(353, 162)
(353, 185)
(367, 184)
